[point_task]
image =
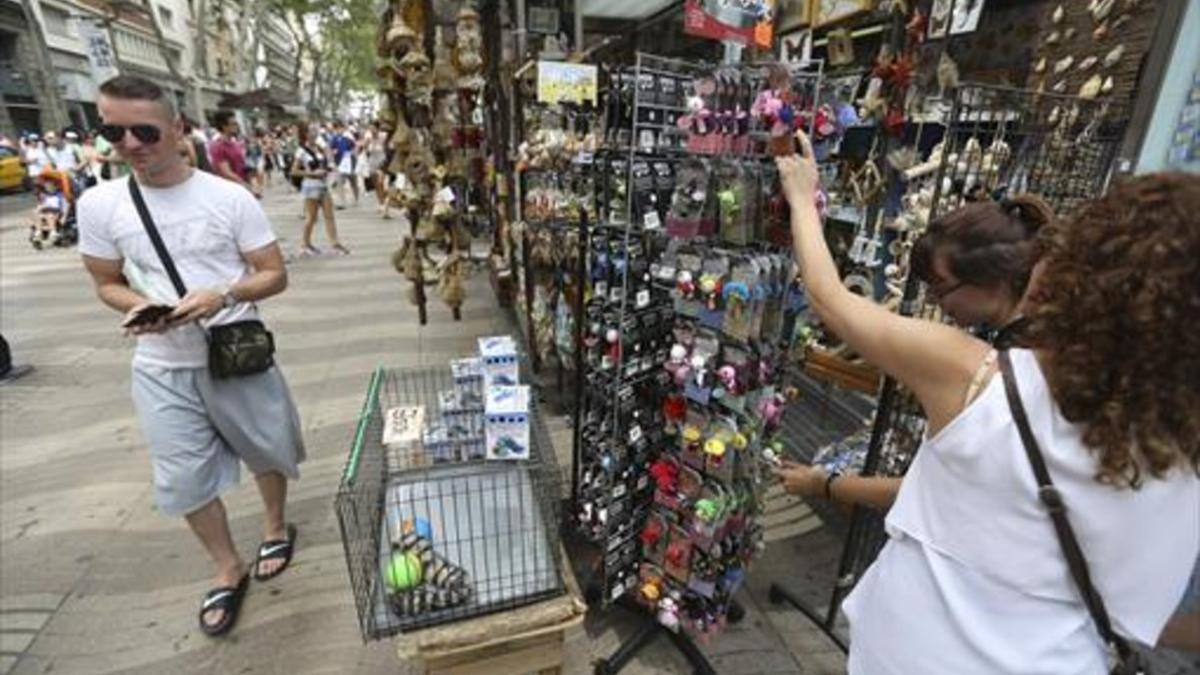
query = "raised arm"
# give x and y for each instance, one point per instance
(935, 361)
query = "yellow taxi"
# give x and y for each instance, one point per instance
(12, 172)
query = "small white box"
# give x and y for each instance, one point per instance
(500, 364)
(506, 422)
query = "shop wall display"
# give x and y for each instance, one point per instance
(794, 14)
(954, 17)
(796, 47)
(827, 12)
(1092, 49)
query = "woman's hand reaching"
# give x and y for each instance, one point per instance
(798, 174)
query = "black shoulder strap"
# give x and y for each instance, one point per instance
(152, 231)
(1051, 498)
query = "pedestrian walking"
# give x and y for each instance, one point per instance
(375, 142)
(255, 157)
(185, 256)
(226, 153)
(34, 157)
(312, 166)
(344, 147)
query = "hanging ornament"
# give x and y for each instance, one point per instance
(1113, 57)
(1091, 88)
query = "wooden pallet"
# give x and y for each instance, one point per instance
(517, 642)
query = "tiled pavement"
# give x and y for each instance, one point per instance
(93, 580)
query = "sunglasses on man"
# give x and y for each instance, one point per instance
(145, 133)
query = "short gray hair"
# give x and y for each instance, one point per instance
(132, 87)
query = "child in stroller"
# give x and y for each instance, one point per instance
(54, 215)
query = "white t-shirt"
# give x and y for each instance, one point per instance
(65, 158)
(307, 160)
(36, 159)
(206, 222)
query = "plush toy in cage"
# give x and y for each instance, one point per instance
(418, 578)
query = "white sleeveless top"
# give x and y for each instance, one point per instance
(973, 579)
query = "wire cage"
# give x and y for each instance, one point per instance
(434, 531)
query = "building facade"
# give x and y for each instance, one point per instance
(240, 54)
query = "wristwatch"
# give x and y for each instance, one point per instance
(227, 299)
(833, 475)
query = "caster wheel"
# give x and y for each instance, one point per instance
(774, 595)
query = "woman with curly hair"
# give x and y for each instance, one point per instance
(973, 578)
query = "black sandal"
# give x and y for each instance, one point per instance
(229, 600)
(275, 549)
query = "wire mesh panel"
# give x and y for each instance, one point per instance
(435, 532)
(1002, 140)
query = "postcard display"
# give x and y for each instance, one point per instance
(684, 331)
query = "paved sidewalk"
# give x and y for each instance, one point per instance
(93, 580)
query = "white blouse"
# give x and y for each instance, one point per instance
(973, 579)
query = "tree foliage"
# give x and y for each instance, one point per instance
(337, 37)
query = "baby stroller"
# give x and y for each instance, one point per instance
(55, 195)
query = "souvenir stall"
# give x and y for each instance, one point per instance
(641, 237)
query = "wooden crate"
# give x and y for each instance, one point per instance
(537, 651)
(520, 641)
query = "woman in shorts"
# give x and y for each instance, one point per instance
(311, 164)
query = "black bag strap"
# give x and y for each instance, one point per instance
(1052, 499)
(152, 231)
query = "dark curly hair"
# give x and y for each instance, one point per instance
(1115, 306)
(985, 244)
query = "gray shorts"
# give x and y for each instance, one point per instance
(199, 427)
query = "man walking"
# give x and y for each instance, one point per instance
(226, 153)
(198, 426)
(344, 147)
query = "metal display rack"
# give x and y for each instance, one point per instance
(620, 431)
(485, 531)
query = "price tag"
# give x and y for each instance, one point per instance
(446, 194)
(615, 295)
(635, 434)
(651, 221)
(601, 288)
(619, 491)
(643, 298)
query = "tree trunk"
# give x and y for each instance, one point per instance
(303, 46)
(51, 98)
